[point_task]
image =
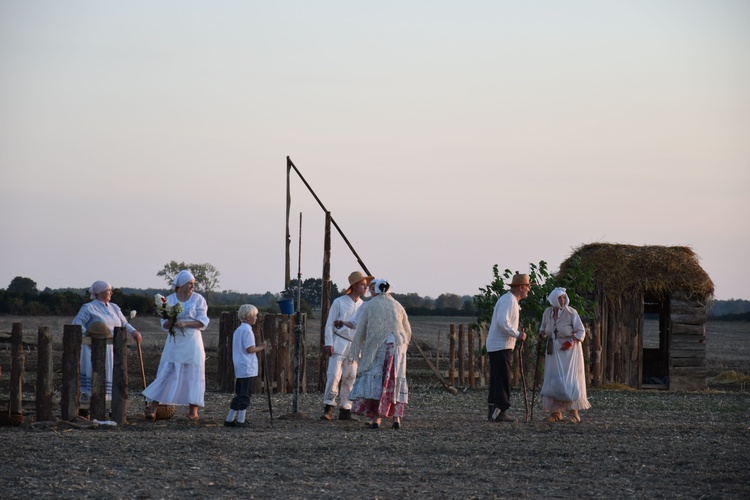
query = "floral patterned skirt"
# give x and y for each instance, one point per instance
(386, 405)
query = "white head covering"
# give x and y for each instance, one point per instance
(182, 277)
(381, 286)
(98, 287)
(555, 295)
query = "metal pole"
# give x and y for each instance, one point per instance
(297, 323)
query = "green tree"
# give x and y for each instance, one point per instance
(311, 292)
(206, 275)
(448, 301)
(578, 282)
(20, 284)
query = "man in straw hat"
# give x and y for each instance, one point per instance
(501, 340)
(341, 368)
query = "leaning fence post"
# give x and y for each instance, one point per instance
(16, 369)
(44, 375)
(120, 376)
(71, 377)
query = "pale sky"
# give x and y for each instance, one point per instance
(444, 137)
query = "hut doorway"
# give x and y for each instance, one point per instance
(655, 348)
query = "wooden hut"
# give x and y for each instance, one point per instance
(649, 330)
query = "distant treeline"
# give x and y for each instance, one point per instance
(67, 302)
(730, 310)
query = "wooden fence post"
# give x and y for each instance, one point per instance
(482, 357)
(228, 323)
(269, 333)
(98, 400)
(282, 365)
(16, 369)
(325, 305)
(470, 335)
(71, 375)
(452, 354)
(120, 376)
(461, 353)
(44, 375)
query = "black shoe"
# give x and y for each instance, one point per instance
(346, 415)
(373, 426)
(241, 424)
(327, 413)
(396, 426)
(227, 423)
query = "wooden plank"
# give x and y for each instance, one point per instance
(685, 362)
(687, 309)
(17, 367)
(689, 319)
(71, 366)
(683, 329)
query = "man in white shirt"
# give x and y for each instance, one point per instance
(342, 368)
(501, 340)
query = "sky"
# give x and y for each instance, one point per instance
(444, 137)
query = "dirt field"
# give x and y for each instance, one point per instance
(630, 444)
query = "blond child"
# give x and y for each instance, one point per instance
(245, 365)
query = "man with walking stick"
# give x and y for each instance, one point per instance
(342, 367)
(501, 340)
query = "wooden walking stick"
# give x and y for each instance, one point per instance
(268, 385)
(536, 373)
(163, 412)
(523, 380)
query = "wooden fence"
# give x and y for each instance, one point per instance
(71, 375)
(279, 330)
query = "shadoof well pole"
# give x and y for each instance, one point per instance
(326, 272)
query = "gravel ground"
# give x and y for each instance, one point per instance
(631, 444)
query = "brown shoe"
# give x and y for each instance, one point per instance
(327, 413)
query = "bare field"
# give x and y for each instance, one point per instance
(631, 444)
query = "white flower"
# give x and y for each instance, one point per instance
(160, 300)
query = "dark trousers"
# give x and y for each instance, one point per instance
(499, 395)
(242, 392)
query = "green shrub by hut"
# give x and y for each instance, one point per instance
(649, 329)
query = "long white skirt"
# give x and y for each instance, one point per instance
(564, 374)
(181, 379)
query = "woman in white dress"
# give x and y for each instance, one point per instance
(100, 310)
(382, 337)
(181, 379)
(564, 386)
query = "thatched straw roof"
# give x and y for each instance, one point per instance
(628, 269)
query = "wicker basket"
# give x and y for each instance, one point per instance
(163, 412)
(11, 419)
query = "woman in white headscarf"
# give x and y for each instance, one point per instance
(564, 387)
(382, 338)
(181, 379)
(98, 313)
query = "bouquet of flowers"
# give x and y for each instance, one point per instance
(167, 312)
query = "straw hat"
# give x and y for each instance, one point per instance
(520, 279)
(356, 277)
(98, 330)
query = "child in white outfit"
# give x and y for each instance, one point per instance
(245, 365)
